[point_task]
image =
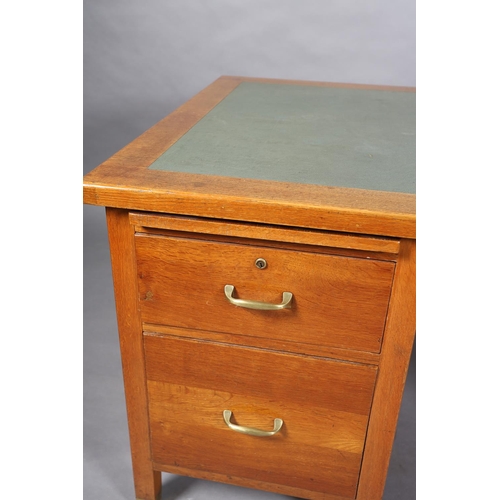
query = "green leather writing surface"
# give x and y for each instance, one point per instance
(307, 134)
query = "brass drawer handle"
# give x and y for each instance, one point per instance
(249, 430)
(253, 304)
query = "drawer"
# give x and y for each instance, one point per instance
(337, 301)
(324, 405)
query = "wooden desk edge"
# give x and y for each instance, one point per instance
(370, 217)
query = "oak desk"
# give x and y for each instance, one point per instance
(262, 241)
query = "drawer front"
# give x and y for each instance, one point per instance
(324, 405)
(337, 301)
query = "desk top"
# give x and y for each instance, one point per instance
(311, 135)
(320, 155)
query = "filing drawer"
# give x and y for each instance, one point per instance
(337, 301)
(324, 405)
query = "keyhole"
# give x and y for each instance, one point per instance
(261, 263)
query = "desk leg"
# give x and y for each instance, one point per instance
(395, 358)
(121, 241)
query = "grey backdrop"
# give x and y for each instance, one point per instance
(141, 61)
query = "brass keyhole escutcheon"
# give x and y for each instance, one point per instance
(261, 263)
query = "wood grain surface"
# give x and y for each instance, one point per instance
(121, 242)
(264, 232)
(282, 489)
(395, 358)
(338, 301)
(324, 405)
(284, 245)
(282, 345)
